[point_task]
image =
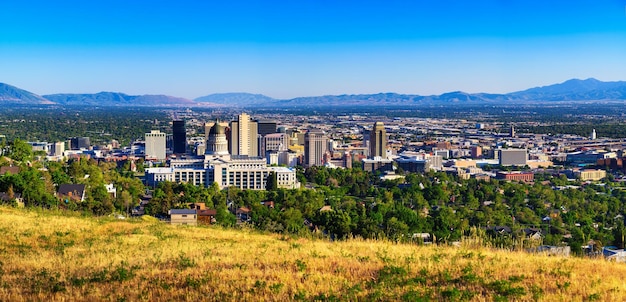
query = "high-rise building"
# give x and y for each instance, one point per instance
(77, 143)
(276, 142)
(593, 134)
(378, 141)
(315, 146)
(179, 140)
(476, 152)
(57, 149)
(155, 145)
(244, 136)
(267, 127)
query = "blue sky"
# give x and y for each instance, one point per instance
(286, 49)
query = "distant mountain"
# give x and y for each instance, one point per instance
(118, 99)
(13, 95)
(236, 98)
(393, 99)
(569, 91)
(575, 90)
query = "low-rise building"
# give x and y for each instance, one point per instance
(590, 174)
(377, 164)
(71, 192)
(206, 216)
(513, 157)
(516, 176)
(183, 217)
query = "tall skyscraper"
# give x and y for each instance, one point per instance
(378, 141)
(179, 144)
(244, 136)
(315, 146)
(155, 145)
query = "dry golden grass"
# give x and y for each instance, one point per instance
(49, 256)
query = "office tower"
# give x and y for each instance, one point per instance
(378, 141)
(476, 152)
(276, 142)
(315, 145)
(267, 127)
(77, 143)
(244, 136)
(593, 134)
(216, 143)
(512, 133)
(155, 145)
(179, 142)
(57, 149)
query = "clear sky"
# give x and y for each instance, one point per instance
(285, 49)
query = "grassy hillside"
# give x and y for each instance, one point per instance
(52, 256)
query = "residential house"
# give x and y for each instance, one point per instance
(17, 197)
(498, 230)
(243, 215)
(614, 254)
(75, 192)
(183, 217)
(9, 169)
(207, 216)
(111, 190)
(532, 233)
(269, 204)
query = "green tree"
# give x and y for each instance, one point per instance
(19, 150)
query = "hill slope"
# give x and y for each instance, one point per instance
(48, 256)
(13, 95)
(573, 90)
(117, 99)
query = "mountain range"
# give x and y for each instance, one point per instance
(569, 91)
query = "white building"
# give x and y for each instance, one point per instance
(57, 149)
(286, 177)
(157, 175)
(276, 142)
(155, 145)
(217, 166)
(288, 158)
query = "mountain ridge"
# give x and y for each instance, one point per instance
(572, 90)
(14, 95)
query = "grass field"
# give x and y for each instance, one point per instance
(47, 256)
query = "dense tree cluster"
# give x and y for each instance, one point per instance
(352, 202)
(54, 124)
(37, 182)
(349, 202)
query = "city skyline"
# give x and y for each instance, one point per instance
(287, 50)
